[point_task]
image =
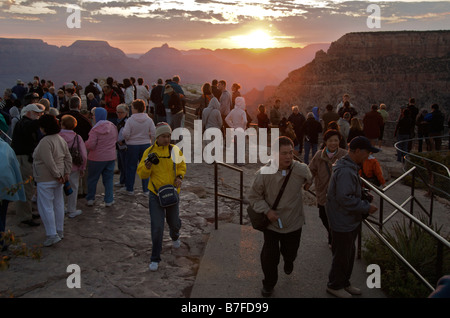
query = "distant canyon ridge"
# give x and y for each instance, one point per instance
(373, 67)
(85, 60)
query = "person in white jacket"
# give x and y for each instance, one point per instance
(236, 119)
(139, 134)
(211, 117)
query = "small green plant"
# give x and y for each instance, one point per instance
(418, 248)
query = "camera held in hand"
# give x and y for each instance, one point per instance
(366, 195)
(152, 158)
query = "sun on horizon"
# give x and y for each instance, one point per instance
(257, 39)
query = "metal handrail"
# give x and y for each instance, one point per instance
(441, 241)
(217, 194)
(423, 158)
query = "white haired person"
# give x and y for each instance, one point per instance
(52, 164)
(166, 169)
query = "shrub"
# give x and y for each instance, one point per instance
(418, 247)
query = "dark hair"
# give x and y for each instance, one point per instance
(329, 107)
(74, 102)
(374, 107)
(50, 124)
(285, 141)
(435, 106)
(127, 82)
(333, 125)
(140, 81)
(330, 133)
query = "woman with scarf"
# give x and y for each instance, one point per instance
(320, 167)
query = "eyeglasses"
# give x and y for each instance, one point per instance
(119, 112)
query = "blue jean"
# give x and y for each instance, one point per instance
(157, 215)
(106, 170)
(133, 157)
(308, 145)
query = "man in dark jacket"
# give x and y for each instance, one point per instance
(345, 209)
(83, 124)
(311, 130)
(372, 124)
(297, 120)
(25, 138)
(156, 97)
(436, 126)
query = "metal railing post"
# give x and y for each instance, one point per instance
(216, 212)
(241, 197)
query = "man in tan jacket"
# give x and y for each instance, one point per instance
(282, 235)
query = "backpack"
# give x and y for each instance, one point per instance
(77, 158)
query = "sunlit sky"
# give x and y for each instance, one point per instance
(136, 26)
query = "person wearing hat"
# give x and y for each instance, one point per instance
(346, 208)
(25, 138)
(20, 90)
(168, 169)
(101, 146)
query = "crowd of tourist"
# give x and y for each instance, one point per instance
(53, 146)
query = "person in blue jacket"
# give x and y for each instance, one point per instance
(10, 180)
(346, 207)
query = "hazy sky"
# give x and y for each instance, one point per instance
(136, 26)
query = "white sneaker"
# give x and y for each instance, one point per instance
(109, 204)
(153, 266)
(90, 202)
(74, 214)
(177, 243)
(52, 240)
(118, 184)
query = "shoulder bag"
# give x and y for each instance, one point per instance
(259, 220)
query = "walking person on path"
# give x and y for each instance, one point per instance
(346, 209)
(282, 235)
(321, 167)
(166, 166)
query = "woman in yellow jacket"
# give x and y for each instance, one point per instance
(164, 164)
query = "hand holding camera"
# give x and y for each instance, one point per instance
(152, 159)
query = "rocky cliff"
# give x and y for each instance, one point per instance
(374, 68)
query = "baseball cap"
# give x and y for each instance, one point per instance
(33, 108)
(362, 143)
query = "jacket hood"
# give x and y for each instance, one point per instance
(14, 112)
(345, 163)
(214, 103)
(140, 117)
(104, 127)
(315, 111)
(240, 103)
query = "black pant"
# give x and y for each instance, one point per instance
(343, 249)
(275, 243)
(324, 218)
